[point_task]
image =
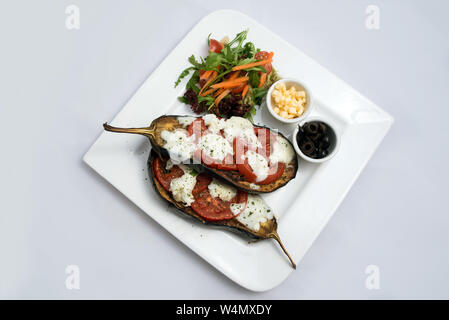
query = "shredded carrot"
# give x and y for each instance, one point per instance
(207, 92)
(206, 74)
(263, 78)
(245, 90)
(234, 75)
(221, 96)
(253, 64)
(212, 77)
(217, 93)
(230, 83)
(238, 89)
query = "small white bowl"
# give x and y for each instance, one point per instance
(289, 83)
(334, 140)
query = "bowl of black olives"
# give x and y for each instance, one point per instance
(315, 140)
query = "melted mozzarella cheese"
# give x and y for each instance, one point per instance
(181, 188)
(185, 121)
(255, 213)
(178, 144)
(282, 151)
(234, 126)
(223, 191)
(213, 123)
(237, 208)
(215, 146)
(242, 128)
(258, 164)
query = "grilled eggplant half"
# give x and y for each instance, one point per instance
(267, 229)
(233, 177)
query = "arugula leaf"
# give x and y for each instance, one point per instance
(254, 79)
(195, 63)
(183, 99)
(183, 75)
(249, 50)
(213, 60)
(253, 110)
(258, 68)
(206, 98)
(191, 84)
(249, 117)
(209, 101)
(259, 94)
(240, 37)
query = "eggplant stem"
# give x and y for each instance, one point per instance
(149, 132)
(275, 236)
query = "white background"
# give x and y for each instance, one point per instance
(58, 86)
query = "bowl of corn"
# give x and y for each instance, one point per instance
(289, 101)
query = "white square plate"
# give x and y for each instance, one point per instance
(302, 209)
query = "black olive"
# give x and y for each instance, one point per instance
(308, 148)
(315, 137)
(323, 153)
(322, 127)
(311, 128)
(325, 143)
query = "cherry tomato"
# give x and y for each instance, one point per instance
(215, 46)
(262, 55)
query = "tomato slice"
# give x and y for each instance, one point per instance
(164, 176)
(267, 138)
(202, 181)
(227, 163)
(215, 209)
(246, 170)
(215, 46)
(274, 172)
(262, 55)
(197, 127)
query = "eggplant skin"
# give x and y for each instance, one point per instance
(234, 178)
(232, 225)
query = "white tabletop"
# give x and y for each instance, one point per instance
(60, 85)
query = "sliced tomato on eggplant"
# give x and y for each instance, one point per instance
(226, 164)
(274, 172)
(214, 209)
(202, 182)
(198, 128)
(165, 176)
